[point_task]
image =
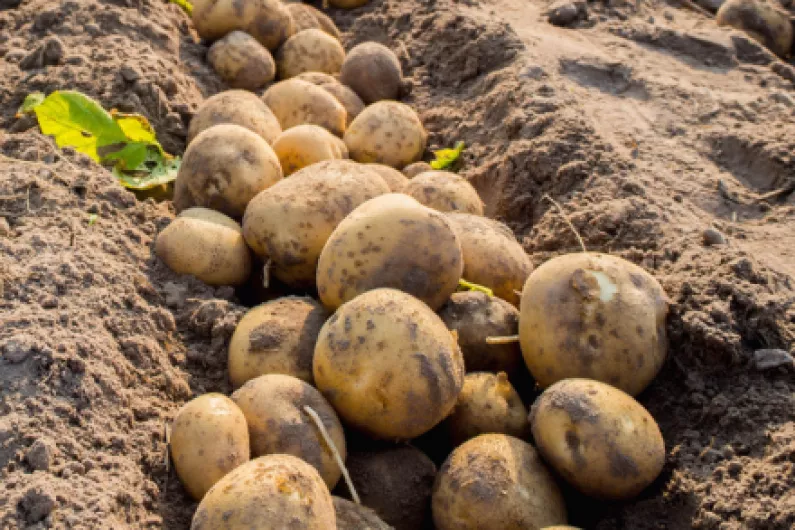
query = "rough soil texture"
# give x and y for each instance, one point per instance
(648, 124)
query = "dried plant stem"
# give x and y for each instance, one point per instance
(509, 339)
(322, 428)
(568, 222)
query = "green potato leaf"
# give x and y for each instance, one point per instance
(446, 157)
(32, 101)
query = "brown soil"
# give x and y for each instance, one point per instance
(647, 124)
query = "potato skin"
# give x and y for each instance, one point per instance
(388, 365)
(394, 178)
(274, 491)
(352, 516)
(309, 50)
(295, 102)
(595, 316)
(308, 17)
(762, 21)
(414, 169)
(304, 145)
(268, 21)
(241, 61)
(238, 107)
(496, 482)
(598, 438)
(445, 191)
(209, 438)
(373, 71)
(386, 132)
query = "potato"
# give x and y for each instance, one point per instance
(207, 244)
(271, 23)
(277, 337)
(763, 21)
(209, 438)
(498, 482)
(388, 133)
(445, 191)
(274, 491)
(304, 145)
(348, 4)
(268, 21)
(388, 365)
(352, 516)
(290, 223)
(238, 107)
(223, 168)
(594, 316)
(310, 50)
(373, 71)
(598, 438)
(352, 103)
(295, 102)
(317, 78)
(492, 256)
(390, 241)
(277, 422)
(394, 178)
(307, 17)
(241, 61)
(412, 170)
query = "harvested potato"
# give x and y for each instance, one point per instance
(388, 133)
(394, 178)
(352, 103)
(373, 71)
(268, 21)
(496, 482)
(352, 516)
(594, 316)
(492, 256)
(317, 78)
(763, 21)
(304, 145)
(598, 438)
(290, 223)
(237, 107)
(277, 422)
(241, 61)
(310, 50)
(271, 23)
(412, 170)
(445, 191)
(295, 102)
(274, 491)
(206, 244)
(277, 337)
(307, 17)
(412, 382)
(224, 168)
(209, 438)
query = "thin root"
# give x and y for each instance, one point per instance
(266, 274)
(509, 339)
(568, 222)
(322, 428)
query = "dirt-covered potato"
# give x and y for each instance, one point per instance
(394, 178)
(598, 438)
(390, 241)
(209, 438)
(304, 145)
(241, 61)
(594, 316)
(223, 168)
(352, 103)
(295, 102)
(496, 482)
(387, 132)
(310, 50)
(373, 71)
(206, 244)
(445, 191)
(765, 22)
(308, 17)
(277, 337)
(414, 169)
(268, 21)
(238, 107)
(270, 492)
(273, 405)
(290, 223)
(492, 256)
(352, 516)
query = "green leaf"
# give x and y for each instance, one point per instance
(92, 218)
(136, 127)
(32, 101)
(446, 157)
(157, 170)
(469, 286)
(184, 4)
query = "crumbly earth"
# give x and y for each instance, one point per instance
(658, 133)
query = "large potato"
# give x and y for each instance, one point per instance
(241, 61)
(763, 21)
(390, 241)
(209, 438)
(270, 492)
(304, 145)
(290, 223)
(238, 107)
(373, 71)
(594, 316)
(388, 365)
(445, 191)
(223, 168)
(295, 102)
(277, 422)
(352, 516)
(206, 244)
(310, 50)
(598, 438)
(394, 178)
(268, 21)
(308, 17)
(496, 482)
(387, 132)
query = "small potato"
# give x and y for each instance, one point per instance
(224, 168)
(598, 438)
(209, 438)
(594, 316)
(388, 133)
(206, 244)
(348, 4)
(270, 492)
(412, 170)
(295, 102)
(352, 516)
(307, 17)
(310, 50)
(304, 145)
(268, 21)
(394, 178)
(496, 482)
(237, 107)
(445, 191)
(241, 61)
(373, 71)
(277, 337)
(763, 21)
(277, 422)
(390, 241)
(388, 365)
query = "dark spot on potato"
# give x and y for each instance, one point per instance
(266, 337)
(621, 465)
(594, 342)
(429, 374)
(637, 280)
(579, 407)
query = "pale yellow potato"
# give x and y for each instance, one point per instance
(238, 107)
(598, 438)
(270, 492)
(765, 22)
(387, 132)
(496, 482)
(307, 17)
(394, 178)
(412, 170)
(309, 50)
(344, 94)
(352, 516)
(295, 102)
(391, 241)
(445, 191)
(209, 438)
(348, 4)
(206, 244)
(388, 365)
(594, 316)
(373, 71)
(304, 145)
(290, 223)
(277, 337)
(241, 61)
(268, 21)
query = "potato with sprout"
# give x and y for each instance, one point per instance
(296, 102)
(304, 145)
(241, 61)
(387, 132)
(310, 50)
(373, 71)
(237, 107)
(445, 191)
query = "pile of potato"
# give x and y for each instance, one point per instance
(319, 184)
